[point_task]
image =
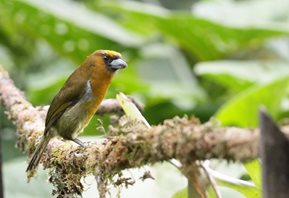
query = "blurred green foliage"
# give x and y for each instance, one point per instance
(216, 58)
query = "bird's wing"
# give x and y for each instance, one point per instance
(68, 96)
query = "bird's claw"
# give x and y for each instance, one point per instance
(79, 142)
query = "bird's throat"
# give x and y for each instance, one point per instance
(99, 88)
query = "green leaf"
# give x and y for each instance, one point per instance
(181, 193)
(203, 38)
(130, 109)
(243, 108)
(238, 75)
(208, 40)
(70, 29)
(254, 170)
(248, 191)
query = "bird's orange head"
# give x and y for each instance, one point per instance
(104, 62)
(99, 68)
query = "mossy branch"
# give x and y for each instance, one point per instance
(184, 139)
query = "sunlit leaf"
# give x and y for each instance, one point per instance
(130, 109)
(254, 170)
(242, 109)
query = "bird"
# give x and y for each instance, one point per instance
(77, 101)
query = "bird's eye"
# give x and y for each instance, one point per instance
(105, 58)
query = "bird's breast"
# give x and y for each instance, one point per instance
(77, 117)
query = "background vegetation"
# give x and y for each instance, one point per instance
(215, 58)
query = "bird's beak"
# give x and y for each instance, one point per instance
(118, 64)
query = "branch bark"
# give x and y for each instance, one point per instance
(184, 139)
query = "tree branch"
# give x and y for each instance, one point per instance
(184, 139)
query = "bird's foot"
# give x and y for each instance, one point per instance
(79, 142)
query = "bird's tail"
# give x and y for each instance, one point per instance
(37, 155)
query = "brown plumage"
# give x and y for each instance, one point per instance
(77, 101)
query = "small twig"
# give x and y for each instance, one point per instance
(196, 188)
(212, 181)
(113, 106)
(225, 178)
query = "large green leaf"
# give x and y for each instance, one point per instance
(72, 30)
(236, 76)
(202, 38)
(208, 40)
(244, 71)
(243, 108)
